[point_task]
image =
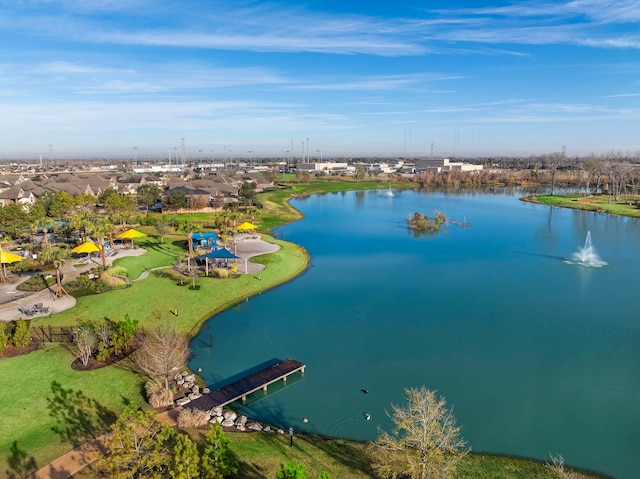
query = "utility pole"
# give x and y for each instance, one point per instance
(183, 152)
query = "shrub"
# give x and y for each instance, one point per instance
(37, 282)
(193, 418)
(222, 273)
(4, 338)
(157, 395)
(104, 353)
(83, 286)
(21, 336)
(109, 278)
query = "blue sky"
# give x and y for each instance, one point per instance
(472, 78)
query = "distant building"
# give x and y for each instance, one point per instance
(443, 164)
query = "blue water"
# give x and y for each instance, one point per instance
(535, 355)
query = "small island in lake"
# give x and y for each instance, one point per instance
(419, 222)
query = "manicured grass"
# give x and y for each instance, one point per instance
(160, 292)
(598, 203)
(157, 254)
(26, 384)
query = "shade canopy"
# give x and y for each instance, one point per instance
(221, 253)
(130, 234)
(6, 257)
(87, 247)
(247, 226)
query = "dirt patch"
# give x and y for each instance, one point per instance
(11, 351)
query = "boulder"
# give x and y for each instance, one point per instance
(193, 396)
(267, 428)
(206, 390)
(232, 416)
(227, 423)
(183, 401)
(254, 426)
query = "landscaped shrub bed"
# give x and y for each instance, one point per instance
(37, 282)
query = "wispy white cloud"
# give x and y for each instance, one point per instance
(387, 82)
(623, 95)
(270, 27)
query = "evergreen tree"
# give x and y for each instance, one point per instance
(217, 460)
(139, 447)
(186, 460)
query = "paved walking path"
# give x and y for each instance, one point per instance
(12, 300)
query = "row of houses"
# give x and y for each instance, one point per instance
(20, 189)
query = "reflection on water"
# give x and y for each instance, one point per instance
(533, 354)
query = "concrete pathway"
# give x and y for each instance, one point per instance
(12, 300)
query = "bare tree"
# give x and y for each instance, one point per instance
(553, 162)
(425, 443)
(162, 352)
(85, 341)
(557, 467)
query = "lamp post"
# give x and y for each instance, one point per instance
(135, 158)
(308, 160)
(320, 153)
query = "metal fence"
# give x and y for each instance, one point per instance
(53, 334)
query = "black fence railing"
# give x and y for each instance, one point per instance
(53, 334)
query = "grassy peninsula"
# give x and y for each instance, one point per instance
(596, 203)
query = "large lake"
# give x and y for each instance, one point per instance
(534, 354)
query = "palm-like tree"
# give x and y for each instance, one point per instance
(189, 228)
(100, 229)
(39, 221)
(56, 256)
(82, 222)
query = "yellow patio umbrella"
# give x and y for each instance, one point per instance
(130, 234)
(87, 247)
(6, 258)
(246, 226)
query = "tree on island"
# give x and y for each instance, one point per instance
(419, 222)
(425, 443)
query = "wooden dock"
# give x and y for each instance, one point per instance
(241, 388)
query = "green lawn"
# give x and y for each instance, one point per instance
(27, 389)
(598, 203)
(158, 254)
(160, 292)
